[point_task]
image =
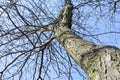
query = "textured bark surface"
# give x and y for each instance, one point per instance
(101, 63)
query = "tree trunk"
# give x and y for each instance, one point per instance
(100, 62)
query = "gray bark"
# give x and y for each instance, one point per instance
(100, 62)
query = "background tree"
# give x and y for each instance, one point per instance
(37, 39)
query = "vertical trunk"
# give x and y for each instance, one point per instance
(101, 63)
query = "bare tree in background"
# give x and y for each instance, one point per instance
(39, 39)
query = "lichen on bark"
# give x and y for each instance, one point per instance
(105, 65)
(100, 62)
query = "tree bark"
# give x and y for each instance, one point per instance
(100, 62)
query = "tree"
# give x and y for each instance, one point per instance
(34, 35)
